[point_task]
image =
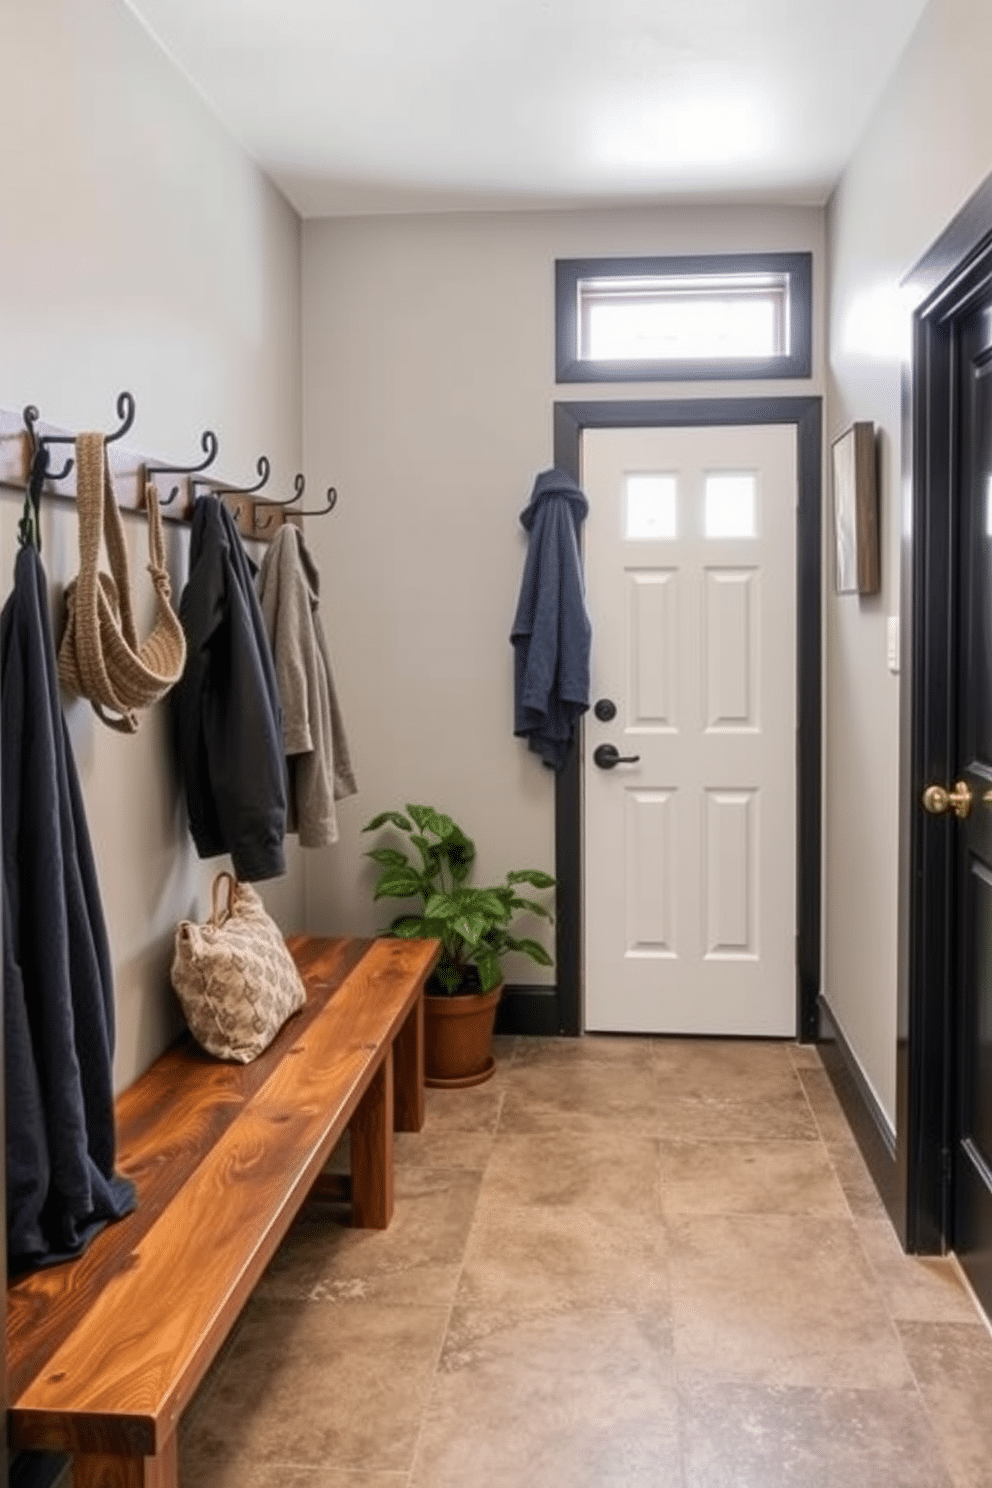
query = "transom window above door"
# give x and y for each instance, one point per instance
(680, 319)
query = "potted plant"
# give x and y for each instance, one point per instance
(474, 927)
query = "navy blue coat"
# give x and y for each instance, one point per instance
(58, 983)
(551, 632)
(226, 706)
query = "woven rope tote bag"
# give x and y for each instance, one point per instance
(99, 656)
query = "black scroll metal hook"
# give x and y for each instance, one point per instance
(320, 511)
(264, 469)
(125, 412)
(262, 524)
(208, 443)
(42, 441)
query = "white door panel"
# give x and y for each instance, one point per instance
(690, 852)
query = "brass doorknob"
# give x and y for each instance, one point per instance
(937, 800)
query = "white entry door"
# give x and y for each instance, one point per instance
(690, 848)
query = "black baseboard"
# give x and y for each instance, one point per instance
(531, 1010)
(866, 1117)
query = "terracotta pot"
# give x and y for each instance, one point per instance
(458, 1035)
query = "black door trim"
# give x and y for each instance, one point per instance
(949, 276)
(806, 414)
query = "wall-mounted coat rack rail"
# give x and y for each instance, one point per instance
(178, 485)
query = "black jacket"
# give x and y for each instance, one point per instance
(58, 984)
(551, 632)
(226, 705)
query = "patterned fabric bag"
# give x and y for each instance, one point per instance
(234, 976)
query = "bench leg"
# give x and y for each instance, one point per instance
(104, 1471)
(408, 1052)
(372, 1152)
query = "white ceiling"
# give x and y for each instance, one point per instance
(401, 105)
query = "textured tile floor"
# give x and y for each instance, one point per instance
(622, 1263)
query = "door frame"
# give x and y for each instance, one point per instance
(943, 283)
(805, 413)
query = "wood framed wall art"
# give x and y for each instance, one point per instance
(855, 495)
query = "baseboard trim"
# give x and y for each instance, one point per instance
(871, 1127)
(529, 1010)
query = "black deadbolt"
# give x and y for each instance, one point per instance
(605, 710)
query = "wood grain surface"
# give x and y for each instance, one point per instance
(105, 1352)
(372, 1152)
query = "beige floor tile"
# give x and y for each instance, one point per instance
(926, 1289)
(555, 1259)
(862, 1196)
(953, 1364)
(779, 1299)
(740, 1436)
(198, 1471)
(416, 1261)
(670, 1269)
(313, 1386)
(616, 1051)
(827, 1109)
(749, 1178)
(727, 1069)
(443, 1147)
(776, 1116)
(805, 1056)
(607, 1170)
(584, 1400)
(580, 1093)
(475, 1109)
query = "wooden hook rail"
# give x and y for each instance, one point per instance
(257, 520)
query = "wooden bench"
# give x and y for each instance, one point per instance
(105, 1352)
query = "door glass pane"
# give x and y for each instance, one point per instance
(651, 507)
(731, 505)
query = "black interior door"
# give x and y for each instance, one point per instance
(971, 1082)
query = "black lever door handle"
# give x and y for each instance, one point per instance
(607, 755)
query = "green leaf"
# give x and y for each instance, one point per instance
(532, 907)
(398, 883)
(532, 876)
(471, 927)
(490, 971)
(408, 927)
(417, 927)
(389, 857)
(419, 814)
(460, 852)
(489, 903)
(442, 907)
(531, 948)
(396, 817)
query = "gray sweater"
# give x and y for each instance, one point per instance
(313, 732)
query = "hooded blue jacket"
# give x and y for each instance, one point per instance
(552, 632)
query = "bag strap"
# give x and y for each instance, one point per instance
(97, 513)
(100, 517)
(218, 913)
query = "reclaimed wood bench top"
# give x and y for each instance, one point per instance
(223, 1156)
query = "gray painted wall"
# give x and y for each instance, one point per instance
(927, 148)
(428, 393)
(139, 248)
